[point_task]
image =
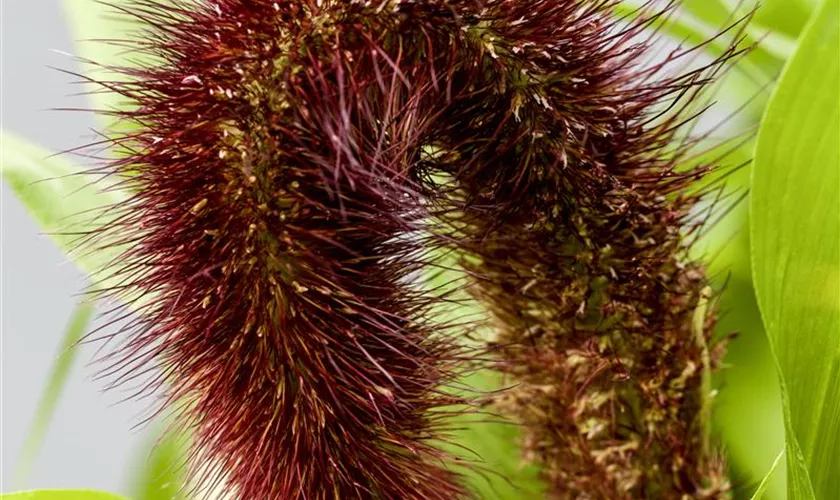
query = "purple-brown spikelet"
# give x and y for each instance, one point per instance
(294, 164)
(271, 255)
(575, 216)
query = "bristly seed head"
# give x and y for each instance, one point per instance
(283, 158)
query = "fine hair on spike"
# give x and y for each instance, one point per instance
(293, 167)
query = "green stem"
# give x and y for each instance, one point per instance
(699, 322)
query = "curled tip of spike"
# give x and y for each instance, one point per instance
(292, 167)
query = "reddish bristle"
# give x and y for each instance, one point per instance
(294, 164)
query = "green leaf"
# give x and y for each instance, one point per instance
(96, 28)
(159, 474)
(786, 17)
(61, 495)
(52, 392)
(486, 447)
(63, 199)
(94, 24)
(747, 410)
(772, 43)
(701, 21)
(491, 445)
(762, 487)
(795, 232)
(103, 32)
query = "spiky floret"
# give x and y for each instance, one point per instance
(573, 203)
(287, 155)
(271, 254)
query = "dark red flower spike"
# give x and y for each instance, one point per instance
(271, 255)
(569, 200)
(286, 170)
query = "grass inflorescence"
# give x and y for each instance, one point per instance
(294, 166)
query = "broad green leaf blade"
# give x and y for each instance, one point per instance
(63, 200)
(762, 487)
(61, 495)
(795, 234)
(52, 392)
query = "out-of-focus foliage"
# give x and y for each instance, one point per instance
(796, 252)
(101, 31)
(485, 446)
(158, 471)
(759, 492)
(52, 392)
(489, 443)
(58, 195)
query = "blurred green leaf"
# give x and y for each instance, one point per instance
(95, 25)
(61, 495)
(747, 411)
(64, 200)
(702, 21)
(104, 33)
(786, 17)
(159, 474)
(771, 43)
(99, 31)
(490, 444)
(762, 487)
(52, 392)
(795, 233)
(485, 444)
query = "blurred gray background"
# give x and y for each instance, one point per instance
(91, 442)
